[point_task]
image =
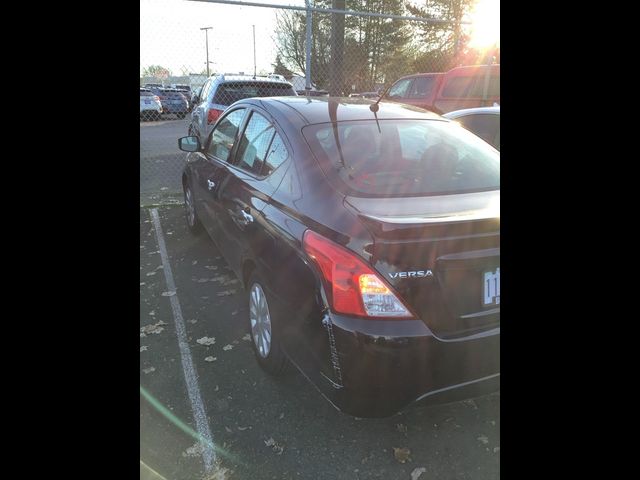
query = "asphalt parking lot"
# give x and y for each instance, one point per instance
(161, 161)
(197, 372)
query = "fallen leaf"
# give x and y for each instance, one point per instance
(149, 370)
(417, 472)
(210, 359)
(247, 338)
(274, 446)
(150, 274)
(208, 267)
(193, 321)
(152, 313)
(496, 449)
(194, 262)
(228, 429)
(142, 283)
(483, 439)
(242, 429)
(471, 403)
(235, 342)
(195, 450)
(227, 347)
(153, 328)
(235, 312)
(206, 341)
(281, 415)
(401, 428)
(143, 348)
(168, 294)
(401, 454)
(225, 293)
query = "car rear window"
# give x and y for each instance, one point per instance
(146, 94)
(173, 95)
(403, 158)
(228, 93)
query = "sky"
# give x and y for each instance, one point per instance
(170, 34)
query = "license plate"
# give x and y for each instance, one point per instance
(148, 102)
(491, 287)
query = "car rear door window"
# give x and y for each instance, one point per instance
(254, 143)
(224, 135)
(458, 87)
(276, 156)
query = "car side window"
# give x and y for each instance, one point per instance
(276, 156)
(486, 126)
(254, 143)
(223, 136)
(400, 89)
(421, 87)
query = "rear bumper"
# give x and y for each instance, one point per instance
(383, 366)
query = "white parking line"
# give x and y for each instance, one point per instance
(199, 413)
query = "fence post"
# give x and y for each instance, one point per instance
(307, 62)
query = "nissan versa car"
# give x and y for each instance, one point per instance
(367, 238)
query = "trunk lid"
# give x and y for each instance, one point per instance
(441, 254)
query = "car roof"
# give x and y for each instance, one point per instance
(249, 78)
(472, 111)
(312, 110)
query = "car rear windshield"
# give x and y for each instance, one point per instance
(146, 94)
(403, 157)
(174, 95)
(228, 93)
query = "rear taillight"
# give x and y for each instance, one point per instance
(213, 115)
(353, 287)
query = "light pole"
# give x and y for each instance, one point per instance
(254, 51)
(206, 33)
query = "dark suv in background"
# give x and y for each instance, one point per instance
(220, 91)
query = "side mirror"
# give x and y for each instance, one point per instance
(189, 144)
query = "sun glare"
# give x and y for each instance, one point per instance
(485, 24)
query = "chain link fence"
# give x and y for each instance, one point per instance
(237, 51)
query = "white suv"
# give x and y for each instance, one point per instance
(220, 91)
(150, 106)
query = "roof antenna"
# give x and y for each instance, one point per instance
(374, 107)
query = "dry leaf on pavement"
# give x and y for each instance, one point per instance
(401, 454)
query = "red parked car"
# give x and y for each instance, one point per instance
(459, 88)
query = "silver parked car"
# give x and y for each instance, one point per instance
(483, 121)
(220, 91)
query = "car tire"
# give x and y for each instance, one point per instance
(265, 323)
(190, 211)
